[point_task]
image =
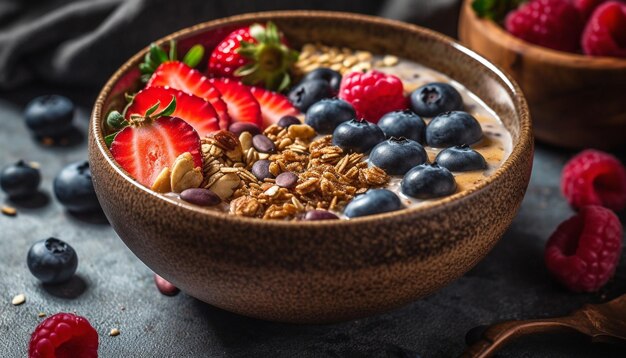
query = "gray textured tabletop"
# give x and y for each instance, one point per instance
(113, 289)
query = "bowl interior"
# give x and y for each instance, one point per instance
(377, 35)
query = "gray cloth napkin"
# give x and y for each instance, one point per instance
(81, 42)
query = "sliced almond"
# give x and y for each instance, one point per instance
(184, 175)
(162, 184)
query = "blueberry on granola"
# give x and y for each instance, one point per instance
(305, 93)
(357, 136)
(325, 115)
(396, 156)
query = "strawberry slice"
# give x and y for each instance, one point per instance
(274, 105)
(242, 105)
(177, 75)
(193, 110)
(144, 150)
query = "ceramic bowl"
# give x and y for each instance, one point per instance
(320, 271)
(576, 101)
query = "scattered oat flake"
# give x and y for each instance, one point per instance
(114, 332)
(9, 211)
(41, 315)
(18, 300)
(35, 165)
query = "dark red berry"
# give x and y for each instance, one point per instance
(584, 250)
(165, 287)
(64, 335)
(594, 178)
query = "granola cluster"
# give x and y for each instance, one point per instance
(342, 60)
(328, 178)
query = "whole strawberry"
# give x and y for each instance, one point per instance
(256, 54)
(605, 33)
(554, 24)
(373, 94)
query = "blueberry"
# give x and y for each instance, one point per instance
(453, 128)
(427, 182)
(397, 155)
(374, 201)
(357, 136)
(52, 261)
(325, 115)
(317, 215)
(461, 159)
(322, 73)
(49, 116)
(287, 121)
(403, 124)
(435, 98)
(74, 189)
(305, 93)
(20, 180)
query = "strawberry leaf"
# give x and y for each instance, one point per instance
(194, 56)
(157, 54)
(153, 109)
(168, 110)
(173, 51)
(109, 139)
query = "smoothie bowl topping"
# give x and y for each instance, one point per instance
(325, 133)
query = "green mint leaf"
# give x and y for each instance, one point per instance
(194, 56)
(153, 109)
(169, 109)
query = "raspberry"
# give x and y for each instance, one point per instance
(555, 24)
(586, 7)
(605, 33)
(372, 94)
(64, 335)
(584, 250)
(594, 178)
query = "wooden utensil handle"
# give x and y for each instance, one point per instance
(498, 335)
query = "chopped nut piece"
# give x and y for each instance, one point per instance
(162, 183)
(41, 314)
(184, 175)
(226, 185)
(245, 139)
(9, 211)
(390, 60)
(302, 131)
(114, 332)
(18, 299)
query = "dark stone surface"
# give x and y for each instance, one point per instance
(113, 289)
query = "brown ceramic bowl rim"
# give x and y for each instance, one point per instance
(496, 33)
(517, 154)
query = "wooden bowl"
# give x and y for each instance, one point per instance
(576, 101)
(320, 271)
